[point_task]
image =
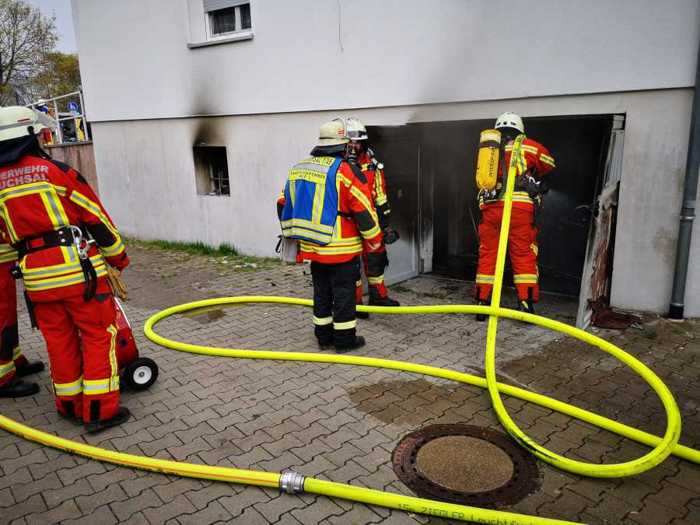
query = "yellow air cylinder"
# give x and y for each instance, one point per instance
(487, 159)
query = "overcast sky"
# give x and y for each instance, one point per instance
(64, 22)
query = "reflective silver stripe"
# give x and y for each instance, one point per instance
(69, 389)
(115, 249)
(290, 223)
(114, 376)
(345, 326)
(26, 189)
(95, 386)
(57, 209)
(61, 269)
(94, 208)
(322, 321)
(7, 368)
(55, 282)
(7, 249)
(311, 167)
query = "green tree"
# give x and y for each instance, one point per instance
(26, 37)
(59, 74)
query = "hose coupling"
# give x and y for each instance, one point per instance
(291, 482)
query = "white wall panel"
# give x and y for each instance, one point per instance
(146, 177)
(312, 55)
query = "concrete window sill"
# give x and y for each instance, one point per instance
(239, 37)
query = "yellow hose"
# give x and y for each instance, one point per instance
(453, 375)
(673, 418)
(662, 446)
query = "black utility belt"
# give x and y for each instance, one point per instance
(66, 236)
(62, 237)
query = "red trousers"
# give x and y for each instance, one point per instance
(374, 271)
(522, 247)
(10, 354)
(81, 340)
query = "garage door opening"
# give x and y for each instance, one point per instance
(430, 173)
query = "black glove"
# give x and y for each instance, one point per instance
(390, 236)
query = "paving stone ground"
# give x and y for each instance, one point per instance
(341, 423)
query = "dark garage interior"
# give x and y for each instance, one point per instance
(430, 174)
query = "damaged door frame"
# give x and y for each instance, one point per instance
(596, 279)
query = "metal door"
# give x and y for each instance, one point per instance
(397, 147)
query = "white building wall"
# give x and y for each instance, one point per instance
(135, 62)
(148, 184)
(412, 61)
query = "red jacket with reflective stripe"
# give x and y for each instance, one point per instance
(376, 182)
(353, 202)
(38, 196)
(7, 253)
(538, 160)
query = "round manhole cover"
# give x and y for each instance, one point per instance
(465, 464)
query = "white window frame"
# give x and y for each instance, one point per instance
(239, 34)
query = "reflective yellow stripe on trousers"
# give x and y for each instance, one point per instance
(69, 389)
(6, 369)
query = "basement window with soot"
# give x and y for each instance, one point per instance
(211, 170)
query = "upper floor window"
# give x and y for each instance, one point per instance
(215, 22)
(224, 18)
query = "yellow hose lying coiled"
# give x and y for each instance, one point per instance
(662, 446)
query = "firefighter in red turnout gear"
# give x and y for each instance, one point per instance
(533, 163)
(13, 365)
(374, 262)
(325, 207)
(64, 239)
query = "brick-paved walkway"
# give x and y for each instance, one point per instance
(338, 422)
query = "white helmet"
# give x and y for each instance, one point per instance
(356, 129)
(333, 133)
(510, 120)
(18, 121)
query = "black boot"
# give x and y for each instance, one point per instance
(382, 301)
(481, 317)
(347, 347)
(93, 427)
(18, 388)
(71, 418)
(325, 344)
(324, 336)
(526, 306)
(30, 367)
(361, 315)
(69, 413)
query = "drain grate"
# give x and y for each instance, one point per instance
(465, 464)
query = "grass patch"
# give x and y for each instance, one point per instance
(194, 248)
(224, 254)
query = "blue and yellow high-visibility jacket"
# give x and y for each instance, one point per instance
(355, 219)
(311, 200)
